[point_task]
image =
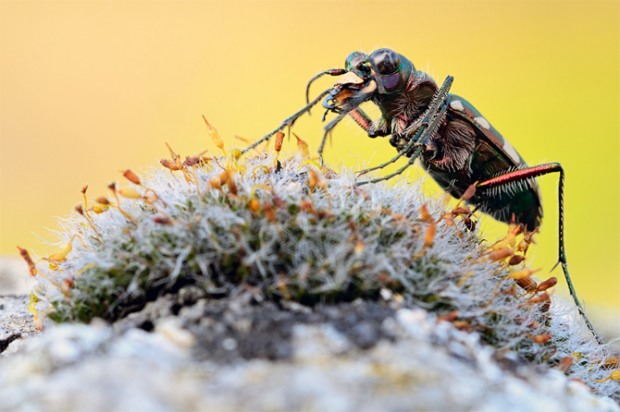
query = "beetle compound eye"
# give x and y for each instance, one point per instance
(354, 59)
(386, 61)
(364, 67)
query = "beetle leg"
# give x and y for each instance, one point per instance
(418, 141)
(414, 156)
(288, 121)
(421, 134)
(328, 128)
(358, 115)
(378, 128)
(528, 173)
(361, 118)
(365, 122)
(389, 162)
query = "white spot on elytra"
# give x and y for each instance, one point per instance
(482, 122)
(457, 105)
(512, 152)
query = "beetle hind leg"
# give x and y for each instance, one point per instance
(517, 176)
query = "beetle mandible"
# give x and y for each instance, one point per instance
(458, 147)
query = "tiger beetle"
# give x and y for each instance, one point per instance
(458, 147)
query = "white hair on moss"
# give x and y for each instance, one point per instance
(299, 233)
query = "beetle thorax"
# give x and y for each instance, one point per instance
(403, 108)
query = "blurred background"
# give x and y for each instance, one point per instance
(90, 88)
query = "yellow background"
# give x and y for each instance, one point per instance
(91, 88)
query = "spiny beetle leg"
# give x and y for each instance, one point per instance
(436, 107)
(532, 172)
(420, 138)
(358, 115)
(422, 135)
(361, 118)
(328, 128)
(429, 124)
(288, 121)
(403, 152)
(414, 156)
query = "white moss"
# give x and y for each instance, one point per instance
(302, 235)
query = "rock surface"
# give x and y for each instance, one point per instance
(232, 354)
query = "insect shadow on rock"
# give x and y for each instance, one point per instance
(456, 145)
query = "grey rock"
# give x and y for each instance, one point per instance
(330, 358)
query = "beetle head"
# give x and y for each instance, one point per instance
(382, 73)
(390, 70)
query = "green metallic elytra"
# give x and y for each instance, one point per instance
(491, 156)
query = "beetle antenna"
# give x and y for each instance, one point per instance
(289, 121)
(331, 72)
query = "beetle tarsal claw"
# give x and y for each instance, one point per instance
(325, 114)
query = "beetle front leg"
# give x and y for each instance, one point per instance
(418, 133)
(373, 128)
(378, 128)
(416, 145)
(358, 115)
(327, 130)
(361, 119)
